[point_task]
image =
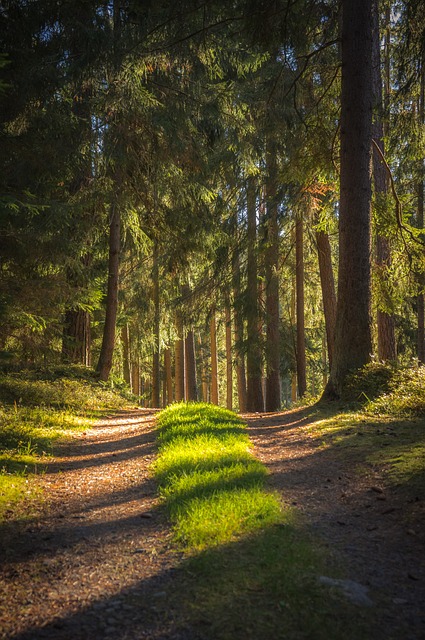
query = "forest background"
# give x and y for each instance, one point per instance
(172, 200)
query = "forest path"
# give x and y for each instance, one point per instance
(96, 560)
(373, 531)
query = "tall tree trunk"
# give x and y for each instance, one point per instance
(385, 321)
(156, 371)
(240, 357)
(108, 341)
(299, 279)
(255, 400)
(327, 282)
(179, 360)
(125, 339)
(229, 366)
(168, 377)
(191, 383)
(204, 374)
(271, 258)
(420, 223)
(214, 359)
(353, 340)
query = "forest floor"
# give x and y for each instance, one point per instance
(95, 558)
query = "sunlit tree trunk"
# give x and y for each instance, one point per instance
(168, 377)
(229, 367)
(271, 259)
(135, 378)
(254, 356)
(191, 382)
(327, 282)
(299, 278)
(214, 359)
(179, 384)
(353, 340)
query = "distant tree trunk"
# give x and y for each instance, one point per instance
(191, 383)
(179, 360)
(299, 278)
(294, 394)
(271, 258)
(168, 377)
(135, 378)
(385, 321)
(240, 357)
(108, 342)
(125, 339)
(327, 282)
(229, 367)
(214, 359)
(204, 374)
(255, 400)
(353, 341)
(156, 370)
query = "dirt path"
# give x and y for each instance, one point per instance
(96, 560)
(81, 567)
(373, 530)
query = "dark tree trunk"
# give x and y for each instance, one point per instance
(420, 223)
(327, 282)
(108, 342)
(156, 370)
(385, 321)
(353, 342)
(76, 343)
(191, 383)
(214, 359)
(271, 259)
(255, 400)
(240, 357)
(299, 279)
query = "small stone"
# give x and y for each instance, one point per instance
(377, 489)
(400, 601)
(146, 514)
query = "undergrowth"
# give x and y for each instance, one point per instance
(38, 406)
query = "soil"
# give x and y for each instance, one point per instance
(92, 558)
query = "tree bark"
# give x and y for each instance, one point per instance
(385, 321)
(353, 341)
(271, 259)
(420, 223)
(299, 279)
(255, 400)
(168, 377)
(214, 359)
(108, 341)
(229, 367)
(76, 343)
(327, 282)
(240, 357)
(156, 369)
(191, 382)
(179, 360)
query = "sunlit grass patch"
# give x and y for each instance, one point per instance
(209, 479)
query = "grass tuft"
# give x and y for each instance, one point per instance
(209, 479)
